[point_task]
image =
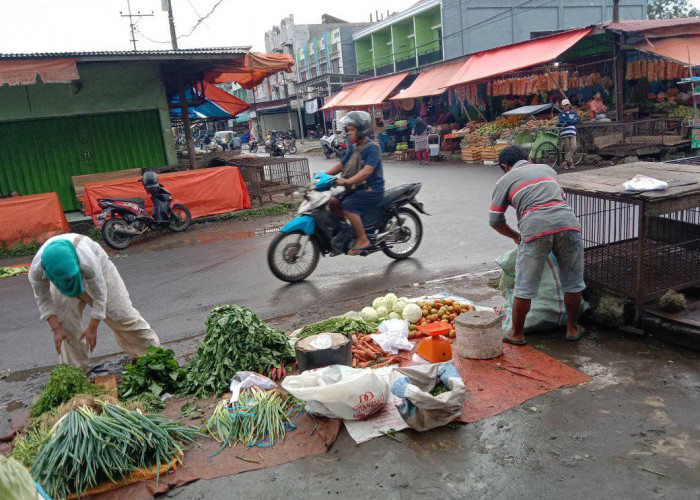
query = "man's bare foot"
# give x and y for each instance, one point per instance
(360, 245)
(512, 339)
(573, 332)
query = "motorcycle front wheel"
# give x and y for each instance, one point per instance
(292, 257)
(293, 149)
(180, 219)
(408, 233)
(114, 239)
(328, 153)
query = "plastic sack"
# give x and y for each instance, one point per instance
(246, 380)
(640, 183)
(420, 409)
(324, 182)
(339, 391)
(393, 336)
(547, 311)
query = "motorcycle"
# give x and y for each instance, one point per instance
(333, 146)
(253, 145)
(393, 228)
(275, 147)
(124, 218)
(312, 134)
(290, 145)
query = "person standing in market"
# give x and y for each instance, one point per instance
(568, 119)
(419, 136)
(71, 271)
(547, 224)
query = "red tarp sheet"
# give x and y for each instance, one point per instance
(519, 374)
(494, 62)
(207, 191)
(335, 100)
(371, 92)
(429, 82)
(683, 49)
(33, 217)
(25, 71)
(253, 71)
(229, 103)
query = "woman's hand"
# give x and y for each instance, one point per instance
(59, 335)
(340, 181)
(90, 334)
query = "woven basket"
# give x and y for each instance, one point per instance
(479, 335)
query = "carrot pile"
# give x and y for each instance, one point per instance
(366, 353)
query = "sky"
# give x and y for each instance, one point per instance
(82, 25)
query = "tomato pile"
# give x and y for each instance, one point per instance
(436, 310)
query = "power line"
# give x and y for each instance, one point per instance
(133, 24)
(194, 27)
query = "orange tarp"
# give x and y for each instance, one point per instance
(494, 62)
(33, 217)
(230, 103)
(684, 49)
(255, 68)
(25, 71)
(429, 82)
(207, 191)
(336, 99)
(370, 92)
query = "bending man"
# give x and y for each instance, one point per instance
(71, 271)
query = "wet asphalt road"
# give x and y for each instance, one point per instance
(175, 287)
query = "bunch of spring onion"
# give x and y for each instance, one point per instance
(258, 418)
(85, 448)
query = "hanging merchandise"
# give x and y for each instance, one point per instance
(423, 109)
(408, 104)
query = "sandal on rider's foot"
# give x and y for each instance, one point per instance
(511, 341)
(358, 251)
(581, 331)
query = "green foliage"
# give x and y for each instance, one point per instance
(26, 446)
(95, 233)
(669, 9)
(235, 340)
(147, 401)
(344, 325)
(64, 383)
(19, 250)
(156, 372)
(280, 209)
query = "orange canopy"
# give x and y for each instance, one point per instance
(335, 100)
(684, 49)
(493, 62)
(429, 82)
(253, 71)
(25, 71)
(230, 103)
(33, 217)
(367, 93)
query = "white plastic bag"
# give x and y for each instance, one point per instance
(246, 380)
(393, 336)
(643, 183)
(339, 391)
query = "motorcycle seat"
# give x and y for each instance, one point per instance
(392, 194)
(139, 201)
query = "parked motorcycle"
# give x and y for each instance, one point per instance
(290, 144)
(313, 134)
(393, 228)
(332, 145)
(275, 147)
(124, 218)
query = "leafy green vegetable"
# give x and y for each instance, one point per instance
(64, 383)
(149, 402)
(15, 481)
(344, 325)
(191, 410)
(26, 446)
(235, 340)
(85, 449)
(439, 389)
(155, 372)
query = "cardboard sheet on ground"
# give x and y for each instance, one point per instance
(519, 374)
(198, 465)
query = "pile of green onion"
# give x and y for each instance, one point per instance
(85, 448)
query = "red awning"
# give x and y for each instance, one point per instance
(229, 103)
(367, 93)
(683, 49)
(335, 100)
(494, 62)
(253, 71)
(430, 82)
(25, 71)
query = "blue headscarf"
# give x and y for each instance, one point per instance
(62, 267)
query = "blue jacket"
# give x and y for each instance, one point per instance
(568, 120)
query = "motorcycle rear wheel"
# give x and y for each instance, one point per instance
(284, 264)
(328, 153)
(113, 239)
(414, 228)
(293, 149)
(180, 219)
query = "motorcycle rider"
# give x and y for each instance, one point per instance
(159, 195)
(361, 174)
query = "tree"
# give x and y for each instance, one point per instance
(668, 9)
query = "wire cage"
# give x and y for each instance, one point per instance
(635, 248)
(597, 135)
(265, 176)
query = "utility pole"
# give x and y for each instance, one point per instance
(618, 56)
(184, 107)
(132, 24)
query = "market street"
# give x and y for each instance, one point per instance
(175, 288)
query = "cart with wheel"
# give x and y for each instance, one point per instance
(434, 147)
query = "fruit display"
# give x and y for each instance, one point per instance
(439, 310)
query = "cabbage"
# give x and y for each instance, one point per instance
(394, 315)
(412, 313)
(382, 312)
(369, 314)
(390, 299)
(379, 302)
(404, 299)
(352, 315)
(399, 305)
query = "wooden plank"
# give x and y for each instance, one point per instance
(79, 181)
